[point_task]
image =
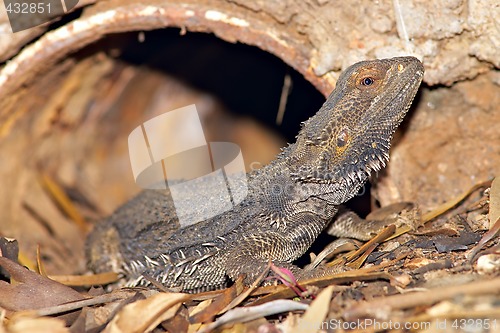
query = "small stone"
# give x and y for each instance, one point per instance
(488, 264)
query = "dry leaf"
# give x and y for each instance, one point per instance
(452, 203)
(32, 290)
(35, 325)
(317, 312)
(145, 315)
(244, 314)
(494, 217)
(199, 308)
(178, 323)
(64, 202)
(218, 304)
(9, 248)
(494, 201)
(86, 280)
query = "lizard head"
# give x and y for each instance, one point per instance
(350, 135)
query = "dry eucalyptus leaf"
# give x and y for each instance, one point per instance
(245, 314)
(317, 312)
(219, 303)
(9, 248)
(21, 324)
(32, 291)
(494, 201)
(193, 311)
(145, 315)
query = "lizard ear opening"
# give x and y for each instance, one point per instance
(342, 138)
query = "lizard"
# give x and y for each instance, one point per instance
(289, 202)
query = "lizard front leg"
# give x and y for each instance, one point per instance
(281, 246)
(252, 257)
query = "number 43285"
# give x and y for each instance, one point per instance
(28, 8)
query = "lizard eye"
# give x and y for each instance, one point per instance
(367, 81)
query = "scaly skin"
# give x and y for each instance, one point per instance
(289, 202)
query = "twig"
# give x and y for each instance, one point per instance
(246, 314)
(52, 310)
(492, 233)
(429, 297)
(285, 91)
(401, 27)
(453, 202)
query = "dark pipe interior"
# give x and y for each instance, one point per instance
(246, 79)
